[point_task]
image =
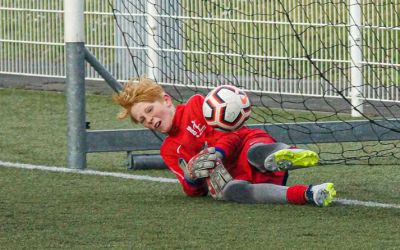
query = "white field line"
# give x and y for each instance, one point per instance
(165, 180)
(365, 203)
(86, 172)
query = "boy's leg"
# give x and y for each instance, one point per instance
(245, 192)
(280, 157)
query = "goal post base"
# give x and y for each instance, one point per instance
(145, 161)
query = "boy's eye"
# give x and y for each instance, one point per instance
(149, 109)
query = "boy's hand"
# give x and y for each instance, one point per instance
(217, 180)
(199, 166)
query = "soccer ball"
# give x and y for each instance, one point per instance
(226, 108)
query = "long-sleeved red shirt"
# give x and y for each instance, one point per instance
(190, 133)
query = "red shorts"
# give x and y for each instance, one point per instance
(242, 170)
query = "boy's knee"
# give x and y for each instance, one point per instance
(238, 191)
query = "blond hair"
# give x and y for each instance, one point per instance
(135, 91)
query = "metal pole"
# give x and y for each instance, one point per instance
(152, 56)
(75, 83)
(110, 80)
(355, 40)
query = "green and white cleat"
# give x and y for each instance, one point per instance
(289, 159)
(321, 195)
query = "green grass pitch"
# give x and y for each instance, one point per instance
(47, 210)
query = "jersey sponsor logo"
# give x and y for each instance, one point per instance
(196, 129)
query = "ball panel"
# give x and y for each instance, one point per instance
(231, 112)
(208, 110)
(228, 122)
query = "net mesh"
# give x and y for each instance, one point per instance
(300, 61)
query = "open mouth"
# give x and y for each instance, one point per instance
(157, 124)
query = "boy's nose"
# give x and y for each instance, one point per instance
(150, 120)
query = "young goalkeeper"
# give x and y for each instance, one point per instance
(246, 165)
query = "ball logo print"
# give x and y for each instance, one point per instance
(226, 108)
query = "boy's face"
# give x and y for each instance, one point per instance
(156, 115)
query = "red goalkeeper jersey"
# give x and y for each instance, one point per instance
(190, 134)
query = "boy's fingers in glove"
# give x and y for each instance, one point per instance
(217, 180)
(199, 165)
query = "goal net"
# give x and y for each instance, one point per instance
(317, 65)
